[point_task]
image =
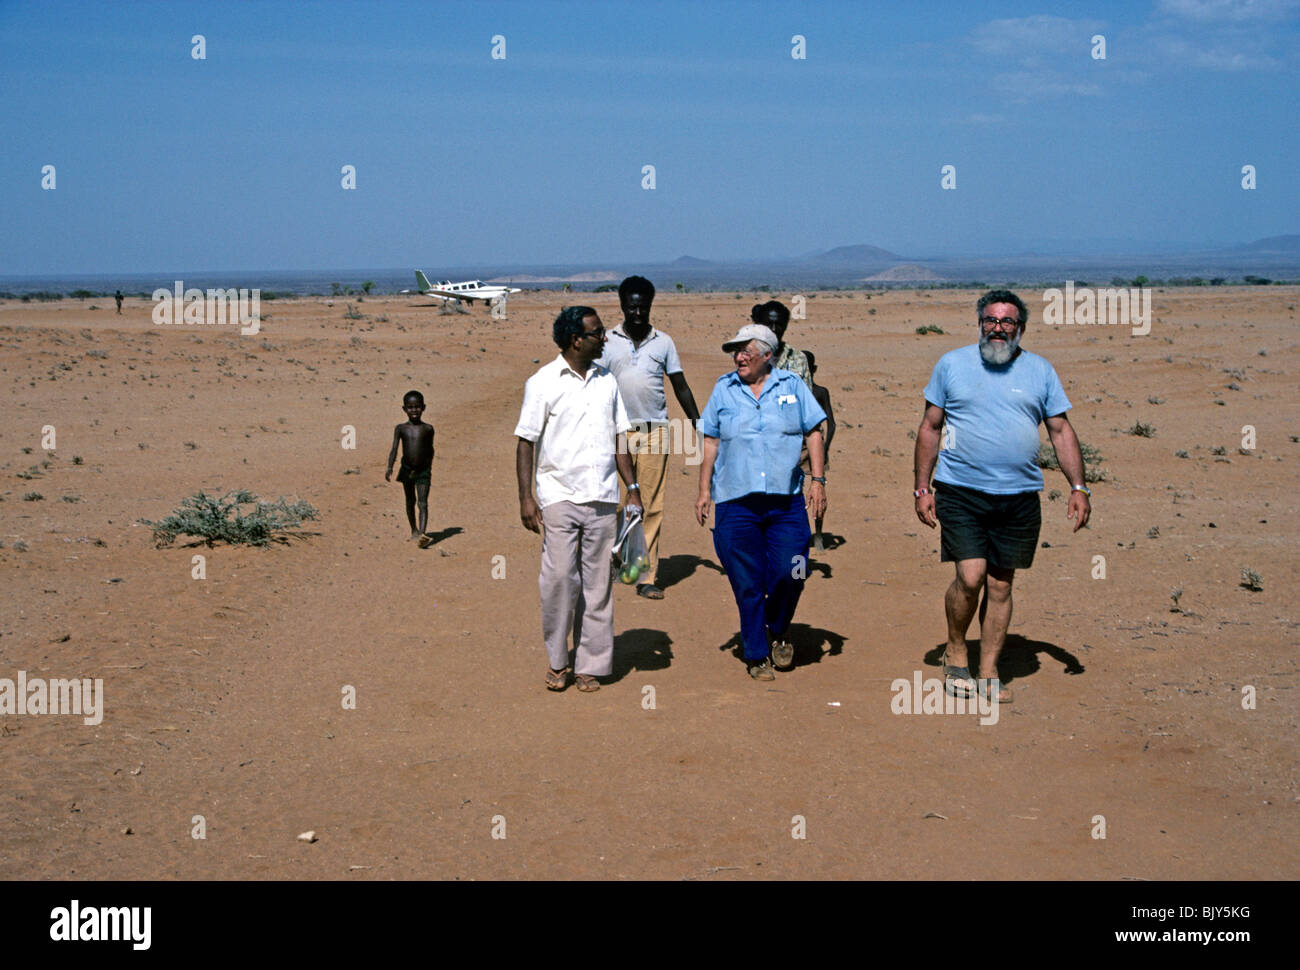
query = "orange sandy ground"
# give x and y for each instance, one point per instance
(223, 695)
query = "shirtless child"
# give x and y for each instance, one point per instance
(416, 439)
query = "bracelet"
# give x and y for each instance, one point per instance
(1082, 488)
(634, 488)
(919, 492)
(819, 479)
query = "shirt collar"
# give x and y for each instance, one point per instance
(628, 337)
(563, 364)
(774, 377)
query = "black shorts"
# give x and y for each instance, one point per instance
(1002, 529)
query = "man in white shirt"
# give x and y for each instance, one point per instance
(573, 424)
(640, 357)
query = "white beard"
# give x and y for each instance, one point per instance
(998, 352)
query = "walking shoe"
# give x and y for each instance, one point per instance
(762, 670)
(783, 654)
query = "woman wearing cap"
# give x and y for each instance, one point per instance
(756, 419)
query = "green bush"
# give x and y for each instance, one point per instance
(211, 519)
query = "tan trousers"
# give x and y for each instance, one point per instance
(649, 453)
(577, 585)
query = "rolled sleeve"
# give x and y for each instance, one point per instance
(708, 423)
(811, 412)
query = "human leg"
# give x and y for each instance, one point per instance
(737, 541)
(651, 474)
(995, 618)
(559, 582)
(593, 621)
(408, 488)
(785, 539)
(422, 501)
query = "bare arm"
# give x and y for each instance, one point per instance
(529, 513)
(684, 396)
(1070, 457)
(923, 459)
(392, 454)
(816, 501)
(623, 461)
(708, 455)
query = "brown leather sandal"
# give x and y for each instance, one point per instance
(587, 683)
(557, 679)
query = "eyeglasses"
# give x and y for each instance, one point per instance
(598, 333)
(746, 354)
(1009, 323)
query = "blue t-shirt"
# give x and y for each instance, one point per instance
(759, 438)
(992, 416)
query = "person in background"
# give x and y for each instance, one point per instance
(823, 397)
(640, 357)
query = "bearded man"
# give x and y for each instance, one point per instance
(992, 396)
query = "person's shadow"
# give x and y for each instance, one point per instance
(1019, 657)
(641, 650)
(831, 541)
(447, 533)
(811, 644)
(675, 569)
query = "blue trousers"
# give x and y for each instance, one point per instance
(762, 543)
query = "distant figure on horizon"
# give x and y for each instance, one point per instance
(823, 397)
(640, 357)
(118, 297)
(416, 439)
(992, 396)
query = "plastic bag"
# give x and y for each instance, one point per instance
(631, 554)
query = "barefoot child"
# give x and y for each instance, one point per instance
(416, 439)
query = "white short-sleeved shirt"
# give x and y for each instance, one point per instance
(640, 370)
(575, 421)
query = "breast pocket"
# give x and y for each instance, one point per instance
(791, 422)
(728, 424)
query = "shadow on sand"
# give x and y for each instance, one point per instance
(1019, 657)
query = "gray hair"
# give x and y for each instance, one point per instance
(763, 346)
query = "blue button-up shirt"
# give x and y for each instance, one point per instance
(759, 438)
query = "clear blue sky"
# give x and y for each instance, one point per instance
(233, 162)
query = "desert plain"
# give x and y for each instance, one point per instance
(1167, 724)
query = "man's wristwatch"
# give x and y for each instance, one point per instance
(634, 487)
(819, 479)
(1082, 488)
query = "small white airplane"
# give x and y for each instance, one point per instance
(466, 291)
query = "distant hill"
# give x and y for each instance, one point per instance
(690, 261)
(906, 273)
(861, 254)
(1273, 244)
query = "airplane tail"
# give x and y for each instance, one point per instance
(422, 281)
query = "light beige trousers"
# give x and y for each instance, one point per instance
(576, 583)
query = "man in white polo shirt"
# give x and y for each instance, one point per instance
(641, 357)
(573, 423)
